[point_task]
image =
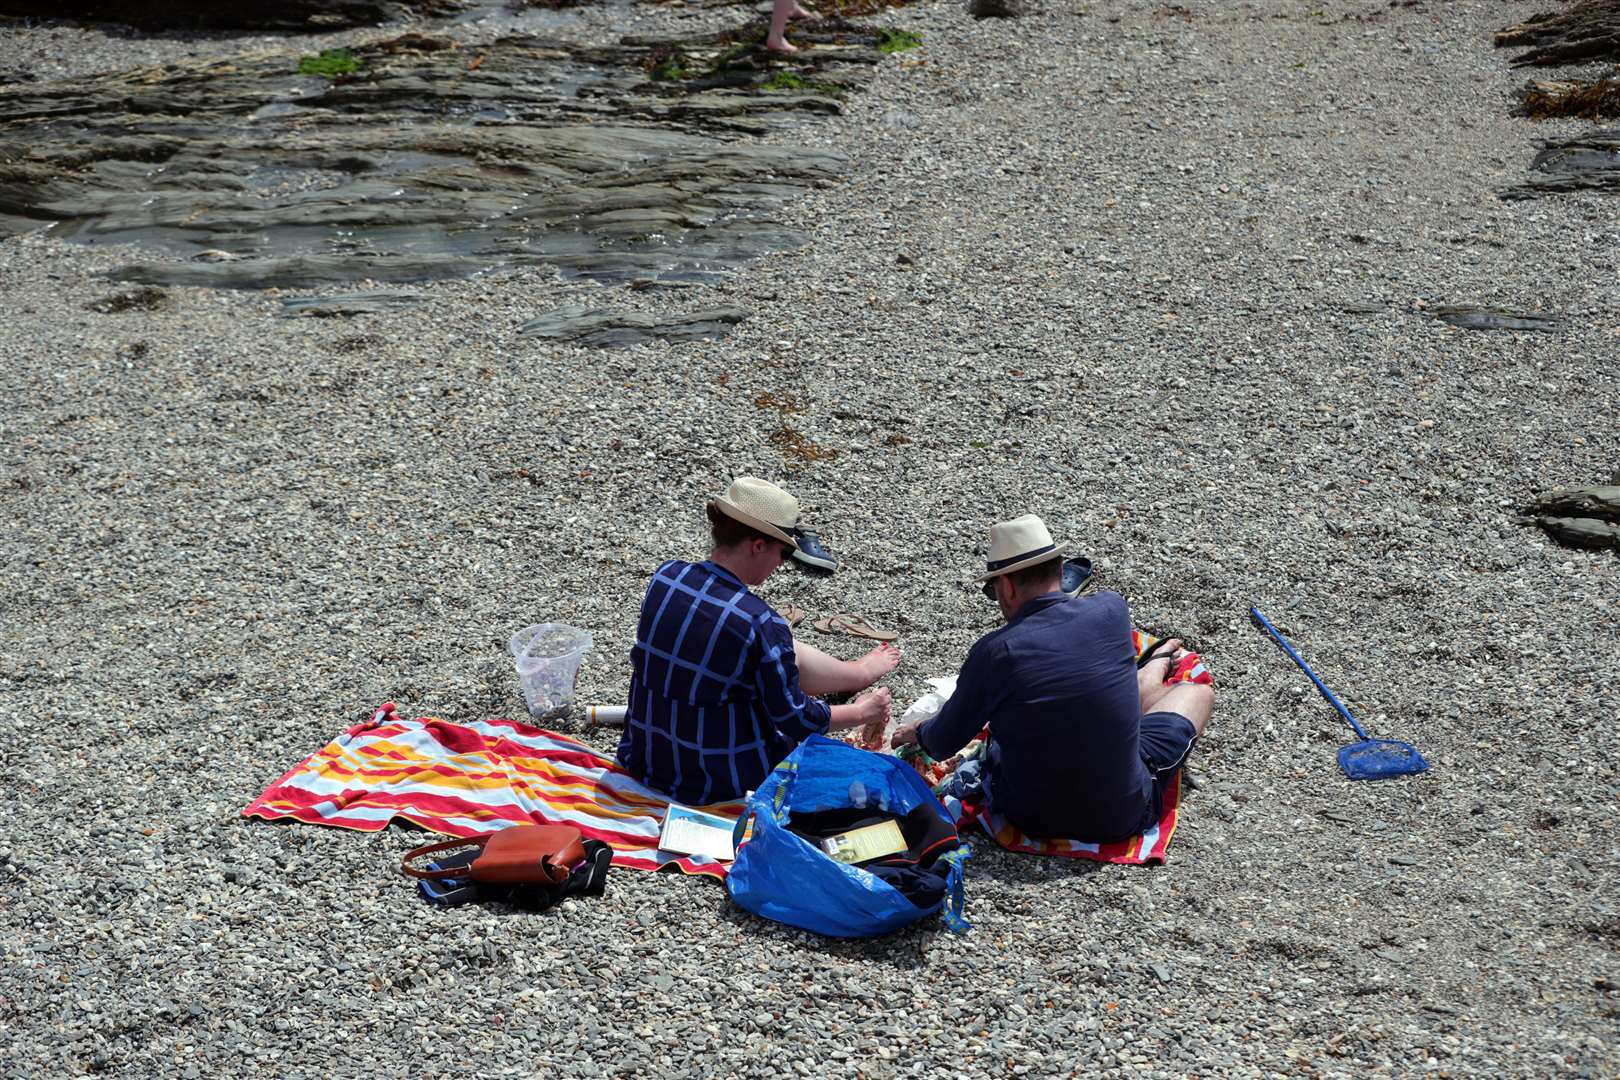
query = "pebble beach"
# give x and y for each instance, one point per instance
(1165, 275)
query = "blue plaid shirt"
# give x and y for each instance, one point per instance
(714, 688)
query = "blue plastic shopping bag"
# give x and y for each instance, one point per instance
(780, 875)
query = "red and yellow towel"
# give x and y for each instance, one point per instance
(465, 779)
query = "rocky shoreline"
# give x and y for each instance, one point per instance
(1169, 275)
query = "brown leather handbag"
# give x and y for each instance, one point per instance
(520, 855)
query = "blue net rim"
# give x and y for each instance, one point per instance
(1372, 759)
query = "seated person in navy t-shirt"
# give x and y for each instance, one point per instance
(719, 689)
(1081, 742)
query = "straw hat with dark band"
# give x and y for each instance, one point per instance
(762, 506)
(1023, 541)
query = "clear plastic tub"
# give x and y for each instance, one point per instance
(547, 658)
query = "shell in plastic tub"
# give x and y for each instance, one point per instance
(547, 658)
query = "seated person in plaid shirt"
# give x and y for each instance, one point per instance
(717, 692)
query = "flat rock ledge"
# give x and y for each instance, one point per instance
(305, 16)
(344, 305)
(1586, 32)
(1589, 162)
(604, 328)
(1477, 317)
(433, 160)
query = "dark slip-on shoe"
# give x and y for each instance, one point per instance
(812, 552)
(1076, 575)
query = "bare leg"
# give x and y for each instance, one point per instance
(781, 11)
(822, 674)
(1192, 700)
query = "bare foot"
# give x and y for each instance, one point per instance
(1150, 686)
(777, 43)
(801, 12)
(878, 663)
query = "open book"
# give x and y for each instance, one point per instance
(692, 832)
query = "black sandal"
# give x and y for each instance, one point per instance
(1153, 654)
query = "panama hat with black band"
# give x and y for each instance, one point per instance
(763, 507)
(1023, 541)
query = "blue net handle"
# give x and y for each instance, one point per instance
(952, 913)
(1303, 666)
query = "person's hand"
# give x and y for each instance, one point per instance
(905, 735)
(874, 706)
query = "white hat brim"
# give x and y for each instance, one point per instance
(737, 513)
(1056, 553)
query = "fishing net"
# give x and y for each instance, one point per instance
(1373, 759)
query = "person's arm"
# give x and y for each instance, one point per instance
(964, 713)
(796, 715)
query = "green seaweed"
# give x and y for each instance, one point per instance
(668, 63)
(669, 71)
(330, 64)
(891, 41)
(787, 80)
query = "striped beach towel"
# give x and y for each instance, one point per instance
(1151, 846)
(1190, 668)
(466, 779)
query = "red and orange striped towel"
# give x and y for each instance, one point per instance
(1150, 847)
(465, 779)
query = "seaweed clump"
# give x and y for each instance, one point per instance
(1547, 100)
(668, 63)
(788, 80)
(330, 64)
(797, 450)
(143, 299)
(893, 41)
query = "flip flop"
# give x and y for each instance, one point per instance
(855, 624)
(793, 614)
(1151, 653)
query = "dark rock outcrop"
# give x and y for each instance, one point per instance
(1589, 31)
(432, 160)
(297, 15)
(1581, 517)
(604, 328)
(1589, 162)
(995, 9)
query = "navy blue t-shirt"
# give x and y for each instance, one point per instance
(1057, 687)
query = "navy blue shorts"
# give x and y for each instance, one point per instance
(1165, 741)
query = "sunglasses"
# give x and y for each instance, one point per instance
(989, 589)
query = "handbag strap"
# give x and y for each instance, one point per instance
(430, 849)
